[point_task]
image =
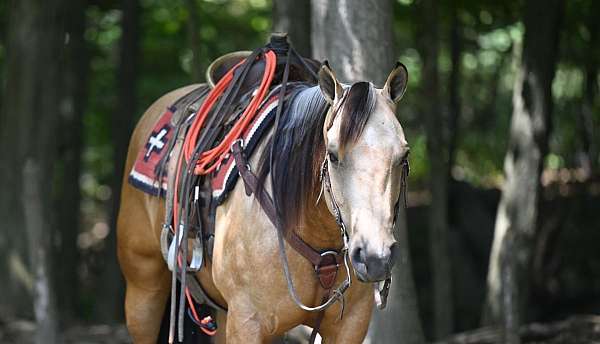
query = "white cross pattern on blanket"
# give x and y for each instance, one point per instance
(155, 142)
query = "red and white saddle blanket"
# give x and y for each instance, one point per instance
(145, 174)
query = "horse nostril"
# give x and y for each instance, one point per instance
(358, 255)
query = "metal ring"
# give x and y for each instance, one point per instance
(326, 253)
(240, 140)
(333, 253)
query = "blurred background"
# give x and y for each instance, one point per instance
(502, 114)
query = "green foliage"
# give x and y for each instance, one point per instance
(491, 37)
(164, 61)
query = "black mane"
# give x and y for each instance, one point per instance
(298, 145)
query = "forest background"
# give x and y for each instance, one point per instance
(502, 115)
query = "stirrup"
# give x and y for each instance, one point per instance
(166, 235)
(169, 253)
(197, 253)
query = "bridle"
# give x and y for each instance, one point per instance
(326, 263)
(338, 293)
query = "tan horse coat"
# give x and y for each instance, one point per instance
(246, 273)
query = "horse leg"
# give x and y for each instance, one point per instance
(145, 272)
(353, 327)
(244, 325)
(221, 336)
(146, 297)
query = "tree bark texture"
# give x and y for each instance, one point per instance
(586, 115)
(111, 286)
(194, 40)
(67, 195)
(438, 172)
(293, 17)
(454, 86)
(516, 220)
(356, 36)
(28, 127)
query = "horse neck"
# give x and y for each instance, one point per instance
(319, 228)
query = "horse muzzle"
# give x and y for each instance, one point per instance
(372, 266)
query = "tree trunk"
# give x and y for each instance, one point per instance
(67, 196)
(356, 36)
(293, 17)
(454, 86)
(28, 127)
(194, 40)
(589, 159)
(516, 221)
(399, 322)
(438, 173)
(111, 286)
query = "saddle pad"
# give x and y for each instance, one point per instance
(144, 174)
(227, 174)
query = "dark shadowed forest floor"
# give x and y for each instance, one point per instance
(22, 332)
(574, 330)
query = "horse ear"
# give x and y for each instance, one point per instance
(330, 87)
(395, 84)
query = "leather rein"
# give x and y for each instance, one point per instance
(326, 263)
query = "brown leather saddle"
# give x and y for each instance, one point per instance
(220, 66)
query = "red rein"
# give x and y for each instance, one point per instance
(211, 160)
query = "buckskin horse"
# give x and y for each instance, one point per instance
(336, 159)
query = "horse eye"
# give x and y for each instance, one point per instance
(333, 158)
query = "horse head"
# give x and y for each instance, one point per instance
(366, 151)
